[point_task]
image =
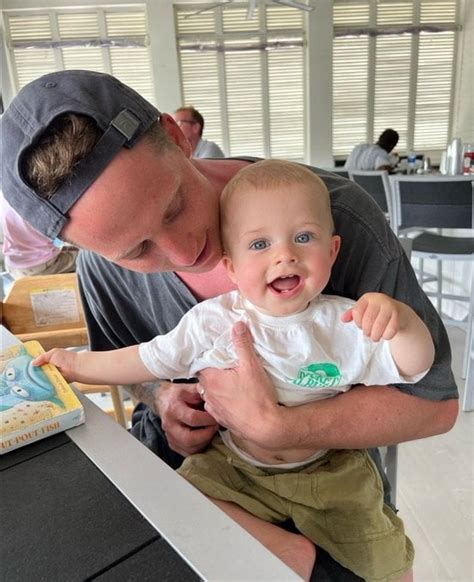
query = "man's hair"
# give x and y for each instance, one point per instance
(269, 174)
(195, 115)
(69, 139)
(388, 139)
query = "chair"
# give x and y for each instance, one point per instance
(48, 308)
(377, 184)
(389, 454)
(423, 203)
(342, 173)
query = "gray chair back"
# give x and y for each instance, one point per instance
(342, 173)
(376, 184)
(432, 202)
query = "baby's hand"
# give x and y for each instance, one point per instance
(376, 314)
(64, 360)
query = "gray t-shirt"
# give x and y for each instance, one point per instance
(125, 307)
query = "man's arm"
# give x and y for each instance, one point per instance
(366, 416)
(123, 308)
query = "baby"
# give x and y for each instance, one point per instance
(280, 245)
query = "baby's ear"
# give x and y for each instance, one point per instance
(229, 265)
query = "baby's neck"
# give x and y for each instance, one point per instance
(265, 312)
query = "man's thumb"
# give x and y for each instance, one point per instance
(243, 342)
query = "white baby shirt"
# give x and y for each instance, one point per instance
(309, 355)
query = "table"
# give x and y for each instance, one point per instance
(95, 504)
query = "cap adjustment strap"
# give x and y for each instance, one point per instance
(127, 123)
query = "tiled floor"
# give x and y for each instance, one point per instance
(435, 494)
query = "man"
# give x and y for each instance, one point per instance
(366, 157)
(117, 178)
(191, 123)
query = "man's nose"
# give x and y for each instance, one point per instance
(179, 251)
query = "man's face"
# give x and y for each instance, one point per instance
(150, 212)
(190, 128)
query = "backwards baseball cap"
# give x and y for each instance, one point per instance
(121, 113)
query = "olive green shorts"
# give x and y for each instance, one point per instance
(335, 501)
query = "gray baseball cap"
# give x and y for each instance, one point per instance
(118, 110)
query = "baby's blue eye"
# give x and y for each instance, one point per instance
(304, 237)
(259, 245)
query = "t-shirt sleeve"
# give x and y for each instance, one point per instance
(171, 355)
(381, 368)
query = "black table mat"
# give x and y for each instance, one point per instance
(63, 520)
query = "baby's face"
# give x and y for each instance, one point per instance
(280, 246)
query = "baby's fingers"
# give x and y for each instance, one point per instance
(42, 359)
(392, 327)
(384, 325)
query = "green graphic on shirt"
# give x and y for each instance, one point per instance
(318, 376)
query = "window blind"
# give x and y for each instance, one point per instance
(252, 94)
(393, 66)
(99, 39)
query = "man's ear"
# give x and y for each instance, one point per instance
(172, 129)
(229, 265)
(335, 247)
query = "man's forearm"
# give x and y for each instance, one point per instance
(145, 392)
(366, 416)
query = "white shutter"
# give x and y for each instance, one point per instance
(350, 93)
(112, 40)
(392, 86)
(202, 90)
(433, 90)
(393, 66)
(246, 76)
(245, 104)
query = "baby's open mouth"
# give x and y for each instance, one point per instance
(285, 284)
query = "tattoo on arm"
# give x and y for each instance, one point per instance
(145, 392)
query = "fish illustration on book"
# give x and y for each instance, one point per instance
(21, 381)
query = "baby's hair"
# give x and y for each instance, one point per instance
(272, 174)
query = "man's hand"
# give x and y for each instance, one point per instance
(243, 399)
(188, 428)
(377, 315)
(64, 360)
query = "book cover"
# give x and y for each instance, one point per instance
(35, 402)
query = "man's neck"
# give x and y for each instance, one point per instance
(210, 284)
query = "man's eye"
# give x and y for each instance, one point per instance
(259, 245)
(303, 237)
(140, 250)
(174, 211)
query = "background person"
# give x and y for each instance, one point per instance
(191, 123)
(280, 245)
(28, 252)
(117, 177)
(367, 157)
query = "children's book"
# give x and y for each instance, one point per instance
(35, 401)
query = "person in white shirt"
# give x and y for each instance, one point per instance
(280, 245)
(367, 157)
(191, 123)
(27, 252)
